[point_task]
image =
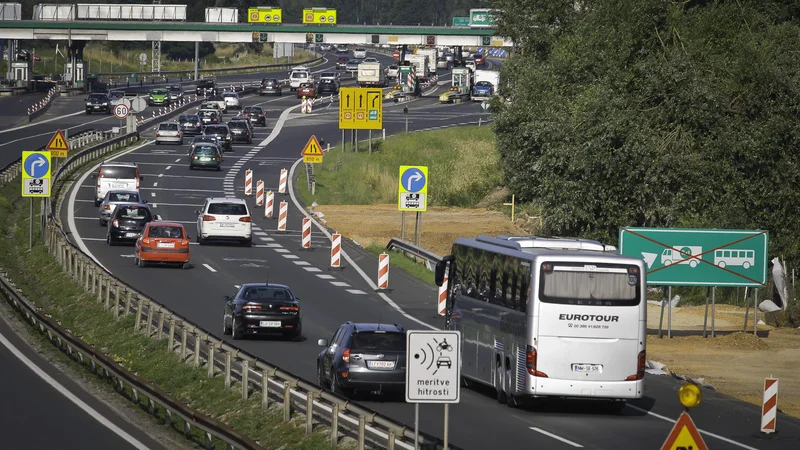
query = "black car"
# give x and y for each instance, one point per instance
(341, 63)
(270, 86)
(191, 124)
(205, 87)
(255, 114)
(240, 131)
(206, 156)
(98, 103)
(127, 221)
(368, 357)
(262, 308)
(222, 132)
(327, 87)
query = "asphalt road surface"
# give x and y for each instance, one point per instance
(331, 298)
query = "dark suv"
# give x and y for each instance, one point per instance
(368, 357)
(270, 86)
(240, 130)
(221, 131)
(98, 103)
(127, 221)
(205, 87)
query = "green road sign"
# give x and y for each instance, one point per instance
(460, 21)
(699, 257)
(481, 18)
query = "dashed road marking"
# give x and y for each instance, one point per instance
(155, 184)
(290, 256)
(356, 291)
(312, 269)
(209, 267)
(340, 284)
(302, 263)
(168, 167)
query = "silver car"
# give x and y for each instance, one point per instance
(169, 132)
(232, 100)
(112, 199)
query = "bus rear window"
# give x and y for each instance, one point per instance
(590, 284)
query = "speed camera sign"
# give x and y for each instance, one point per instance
(121, 111)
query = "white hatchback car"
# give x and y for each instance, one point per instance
(169, 132)
(360, 53)
(224, 218)
(232, 100)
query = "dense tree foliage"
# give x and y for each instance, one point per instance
(655, 113)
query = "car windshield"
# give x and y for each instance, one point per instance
(237, 125)
(126, 197)
(168, 127)
(200, 139)
(483, 84)
(379, 341)
(205, 150)
(165, 232)
(133, 213)
(216, 130)
(98, 97)
(231, 209)
(208, 113)
(253, 110)
(118, 172)
(175, 89)
(230, 95)
(299, 74)
(266, 293)
(205, 83)
(159, 92)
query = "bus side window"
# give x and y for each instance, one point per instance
(524, 290)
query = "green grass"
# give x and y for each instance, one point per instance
(463, 167)
(39, 276)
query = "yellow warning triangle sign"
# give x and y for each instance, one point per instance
(312, 148)
(684, 436)
(58, 142)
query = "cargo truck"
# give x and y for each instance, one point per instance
(486, 84)
(420, 63)
(371, 74)
(433, 55)
(461, 85)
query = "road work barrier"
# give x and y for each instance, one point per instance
(769, 408)
(248, 182)
(306, 232)
(442, 299)
(268, 208)
(284, 178)
(306, 105)
(260, 193)
(282, 214)
(383, 271)
(195, 345)
(41, 107)
(336, 251)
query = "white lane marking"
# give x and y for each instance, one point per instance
(290, 256)
(340, 284)
(70, 396)
(168, 167)
(356, 291)
(178, 160)
(267, 239)
(274, 245)
(281, 250)
(153, 194)
(160, 175)
(46, 121)
(312, 269)
(183, 190)
(302, 263)
(347, 258)
(155, 184)
(707, 433)
(325, 276)
(554, 436)
(209, 267)
(236, 286)
(71, 205)
(260, 233)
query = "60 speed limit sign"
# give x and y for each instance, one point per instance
(121, 111)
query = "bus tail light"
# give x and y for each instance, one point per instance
(346, 356)
(640, 365)
(530, 362)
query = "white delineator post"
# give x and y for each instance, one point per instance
(442, 297)
(336, 250)
(383, 271)
(769, 409)
(284, 178)
(306, 232)
(284, 211)
(260, 193)
(269, 207)
(248, 182)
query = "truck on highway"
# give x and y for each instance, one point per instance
(371, 74)
(486, 84)
(461, 83)
(420, 63)
(432, 55)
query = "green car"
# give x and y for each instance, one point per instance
(158, 97)
(205, 155)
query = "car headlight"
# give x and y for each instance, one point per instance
(88, 103)
(105, 104)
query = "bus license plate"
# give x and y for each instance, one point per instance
(380, 364)
(270, 323)
(587, 368)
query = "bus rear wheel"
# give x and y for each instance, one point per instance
(500, 383)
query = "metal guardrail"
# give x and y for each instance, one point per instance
(198, 347)
(408, 248)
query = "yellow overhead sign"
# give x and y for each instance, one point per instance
(360, 109)
(319, 16)
(264, 15)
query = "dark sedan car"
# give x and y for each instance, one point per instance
(240, 130)
(341, 63)
(262, 308)
(270, 86)
(222, 132)
(206, 156)
(127, 222)
(191, 124)
(365, 357)
(98, 103)
(255, 114)
(327, 87)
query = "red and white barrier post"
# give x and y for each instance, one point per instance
(383, 271)
(284, 178)
(268, 208)
(336, 251)
(306, 232)
(442, 305)
(284, 211)
(248, 182)
(769, 409)
(260, 193)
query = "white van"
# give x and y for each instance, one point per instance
(298, 76)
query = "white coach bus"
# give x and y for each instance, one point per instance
(548, 317)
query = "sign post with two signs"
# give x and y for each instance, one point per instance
(360, 109)
(699, 257)
(36, 181)
(412, 195)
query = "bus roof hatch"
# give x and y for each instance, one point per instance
(554, 243)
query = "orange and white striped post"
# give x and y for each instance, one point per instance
(282, 185)
(248, 182)
(769, 410)
(442, 297)
(269, 207)
(260, 193)
(306, 232)
(383, 271)
(284, 211)
(336, 250)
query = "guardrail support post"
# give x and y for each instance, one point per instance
(310, 412)
(134, 394)
(227, 370)
(93, 273)
(171, 337)
(287, 402)
(138, 324)
(187, 430)
(196, 350)
(160, 332)
(127, 309)
(151, 407)
(184, 335)
(149, 329)
(100, 282)
(390, 440)
(264, 390)
(108, 293)
(362, 426)
(116, 301)
(335, 425)
(210, 364)
(209, 443)
(245, 375)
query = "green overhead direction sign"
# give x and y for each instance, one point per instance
(699, 257)
(481, 18)
(460, 21)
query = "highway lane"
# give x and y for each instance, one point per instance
(43, 408)
(326, 305)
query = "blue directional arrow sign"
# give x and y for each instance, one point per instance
(412, 193)
(36, 174)
(37, 165)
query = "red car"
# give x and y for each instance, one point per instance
(480, 58)
(306, 90)
(162, 242)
